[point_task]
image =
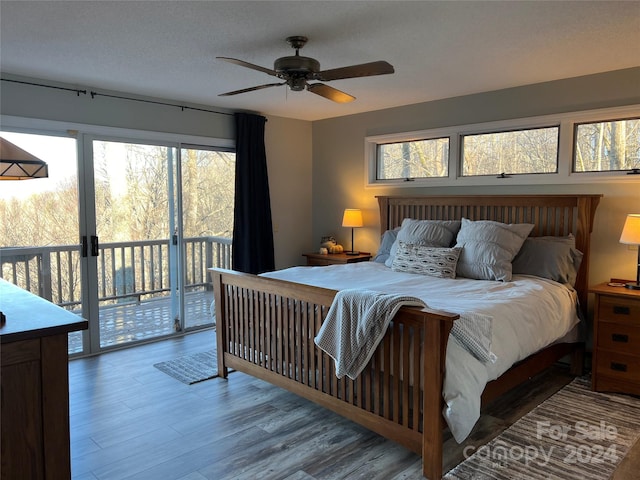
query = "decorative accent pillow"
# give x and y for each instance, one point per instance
(430, 233)
(555, 258)
(386, 243)
(489, 248)
(432, 261)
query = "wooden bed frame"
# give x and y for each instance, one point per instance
(266, 327)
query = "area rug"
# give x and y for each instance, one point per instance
(191, 369)
(575, 434)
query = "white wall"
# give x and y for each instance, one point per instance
(64, 106)
(338, 159)
(288, 145)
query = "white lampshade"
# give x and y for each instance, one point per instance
(631, 230)
(352, 218)
(631, 236)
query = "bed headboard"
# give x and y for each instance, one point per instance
(555, 215)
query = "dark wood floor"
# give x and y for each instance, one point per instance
(131, 421)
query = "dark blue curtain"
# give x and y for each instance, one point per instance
(252, 226)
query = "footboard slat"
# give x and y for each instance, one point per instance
(386, 374)
(279, 333)
(415, 392)
(395, 387)
(405, 368)
(266, 328)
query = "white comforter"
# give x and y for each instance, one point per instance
(528, 314)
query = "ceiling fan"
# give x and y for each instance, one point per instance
(297, 71)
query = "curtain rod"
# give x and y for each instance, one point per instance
(181, 107)
(77, 92)
(97, 94)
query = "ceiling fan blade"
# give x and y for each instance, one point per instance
(242, 63)
(362, 70)
(331, 93)
(251, 89)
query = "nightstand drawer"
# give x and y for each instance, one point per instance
(318, 262)
(616, 309)
(619, 337)
(322, 260)
(619, 366)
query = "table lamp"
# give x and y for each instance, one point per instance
(352, 218)
(631, 236)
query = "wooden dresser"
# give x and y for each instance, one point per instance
(34, 384)
(616, 339)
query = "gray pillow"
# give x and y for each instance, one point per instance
(432, 261)
(555, 258)
(430, 233)
(489, 248)
(386, 243)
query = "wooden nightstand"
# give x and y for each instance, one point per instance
(317, 259)
(616, 340)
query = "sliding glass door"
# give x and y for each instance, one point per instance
(135, 259)
(163, 215)
(122, 233)
(207, 190)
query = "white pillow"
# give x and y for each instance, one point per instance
(430, 233)
(489, 248)
(432, 261)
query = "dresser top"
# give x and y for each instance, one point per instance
(29, 316)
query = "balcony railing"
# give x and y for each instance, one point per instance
(127, 272)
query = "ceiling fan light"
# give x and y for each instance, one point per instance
(297, 84)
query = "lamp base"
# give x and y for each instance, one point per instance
(633, 286)
(352, 252)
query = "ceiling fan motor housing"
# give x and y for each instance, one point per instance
(296, 67)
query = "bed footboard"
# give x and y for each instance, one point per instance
(265, 327)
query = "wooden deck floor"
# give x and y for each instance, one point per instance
(131, 322)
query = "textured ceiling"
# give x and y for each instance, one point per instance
(439, 49)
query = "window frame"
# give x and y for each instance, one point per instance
(566, 146)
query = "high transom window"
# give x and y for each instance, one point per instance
(607, 146)
(413, 159)
(572, 147)
(514, 152)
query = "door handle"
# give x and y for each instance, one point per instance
(85, 246)
(94, 246)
